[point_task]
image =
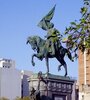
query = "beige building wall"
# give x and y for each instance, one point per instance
(84, 75)
(88, 69)
(84, 69)
(81, 68)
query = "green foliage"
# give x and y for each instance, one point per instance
(3, 98)
(78, 33)
(24, 98)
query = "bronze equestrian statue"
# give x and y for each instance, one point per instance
(40, 45)
(50, 47)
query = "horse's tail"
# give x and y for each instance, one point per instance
(69, 55)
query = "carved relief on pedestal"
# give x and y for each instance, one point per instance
(56, 86)
(69, 88)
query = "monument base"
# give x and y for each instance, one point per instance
(56, 87)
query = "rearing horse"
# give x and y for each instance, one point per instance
(40, 46)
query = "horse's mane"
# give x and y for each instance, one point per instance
(39, 40)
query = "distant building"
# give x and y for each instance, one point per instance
(10, 80)
(13, 82)
(84, 75)
(7, 63)
(10, 83)
(25, 75)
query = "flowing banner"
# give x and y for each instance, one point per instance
(45, 23)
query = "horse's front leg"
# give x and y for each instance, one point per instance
(32, 61)
(39, 56)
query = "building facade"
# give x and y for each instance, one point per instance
(10, 80)
(25, 85)
(13, 82)
(10, 83)
(7, 63)
(84, 75)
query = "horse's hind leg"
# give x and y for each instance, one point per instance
(65, 66)
(63, 63)
(47, 64)
(59, 67)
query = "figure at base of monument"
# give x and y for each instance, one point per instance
(34, 94)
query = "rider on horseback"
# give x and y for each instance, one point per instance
(53, 40)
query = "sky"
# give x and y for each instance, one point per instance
(18, 21)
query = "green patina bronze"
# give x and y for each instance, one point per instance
(43, 51)
(50, 47)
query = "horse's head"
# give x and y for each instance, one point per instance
(32, 41)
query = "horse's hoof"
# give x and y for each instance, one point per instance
(33, 64)
(72, 60)
(59, 68)
(65, 75)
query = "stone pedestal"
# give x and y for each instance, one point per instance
(57, 87)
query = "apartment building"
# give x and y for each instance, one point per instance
(7, 63)
(10, 79)
(13, 82)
